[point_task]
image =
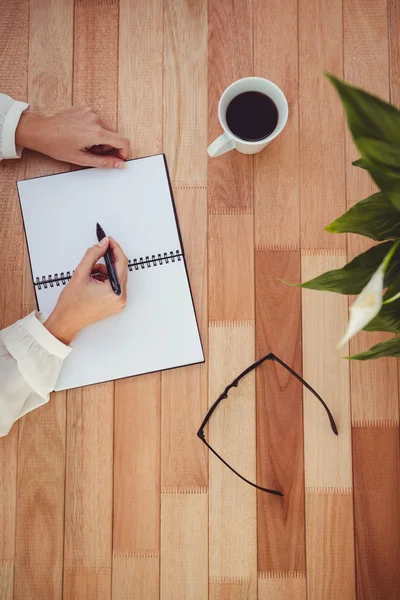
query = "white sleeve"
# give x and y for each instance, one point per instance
(10, 113)
(30, 362)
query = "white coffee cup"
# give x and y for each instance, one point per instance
(228, 140)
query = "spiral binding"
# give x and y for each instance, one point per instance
(137, 263)
(154, 260)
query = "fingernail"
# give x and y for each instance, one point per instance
(103, 242)
(119, 165)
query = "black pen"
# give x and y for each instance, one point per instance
(108, 257)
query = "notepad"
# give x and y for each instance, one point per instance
(157, 329)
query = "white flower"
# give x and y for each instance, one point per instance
(367, 305)
(370, 300)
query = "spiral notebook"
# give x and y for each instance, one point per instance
(158, 329)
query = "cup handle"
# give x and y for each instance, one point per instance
(221, 145)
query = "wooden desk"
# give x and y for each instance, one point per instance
(106, 492)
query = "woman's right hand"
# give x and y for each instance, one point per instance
(88, 297)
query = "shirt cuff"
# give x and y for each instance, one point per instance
(10, 125)
(33, 324)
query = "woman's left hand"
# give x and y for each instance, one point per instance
(76, 135)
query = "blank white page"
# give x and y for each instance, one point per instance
(158, 328)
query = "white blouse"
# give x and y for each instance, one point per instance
(30, 357)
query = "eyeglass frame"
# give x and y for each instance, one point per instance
(235, 383)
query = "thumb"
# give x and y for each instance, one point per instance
(92, 255)
(87, 159)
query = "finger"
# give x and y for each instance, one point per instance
(101, 149)
(120, 260)
(117, 141)
(93, 254)
(87, 159)
(101, 269)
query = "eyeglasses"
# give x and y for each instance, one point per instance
(235, 384)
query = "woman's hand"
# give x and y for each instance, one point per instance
(75, 135)
(88, 297)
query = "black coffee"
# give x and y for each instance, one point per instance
(252, 116)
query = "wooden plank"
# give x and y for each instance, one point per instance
(231, 267)
(136, 576)
(41, 452)
(327, 456)
(140, 83)
(96, 57)
(328, 464)
(377, 522)
(330, 548)
(232, 588)
(280, 586)
(280, 464)
(8, 472)
(184, 545)
(88, 505)
(184, 391)
(366, 34)
(322, 174)
(185, 91)
(394, 50)
(231, 432)
(137, 498)
(230, 57)
(136, 542)
(41, 472)
(87, 583)
(276, 170)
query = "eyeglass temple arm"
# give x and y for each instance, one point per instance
(269, 356)
(308, 386)
(201, 435)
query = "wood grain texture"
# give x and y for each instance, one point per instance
(87, 583)
(279, 586)
(41, 452)
(394, 50)
(276, 170)
(8, 474)
(136, 576)
(137, 451)
(96, 35)
(40, 493)
(327, 456)
(322, 174)
(88, 505)
(377, 522)
(330, 547)
(232, 433)
(230, 57)
(232, 588)
(185, 91)
(184, 545)
(280, 463)
(140, 80)
(231, 267)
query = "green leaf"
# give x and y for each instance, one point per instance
(375, 127)
(374, 217)
(367, 115)
(354, 276)
(383, 163)
(359, 163)
(389, 348)
(388, 318)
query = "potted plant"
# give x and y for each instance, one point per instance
(375, 274)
